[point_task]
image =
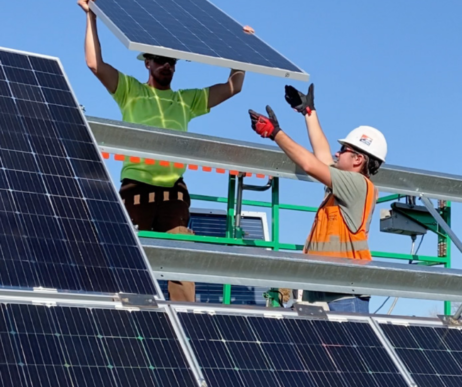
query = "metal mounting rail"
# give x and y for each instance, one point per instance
(160, 144)
(249, 266)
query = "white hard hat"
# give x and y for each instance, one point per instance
(367, 139)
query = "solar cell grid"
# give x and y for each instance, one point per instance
(72, 346)
(432, 355)
(192, 30)
(61, 221)
(237, 350)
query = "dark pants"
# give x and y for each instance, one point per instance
(161, 209)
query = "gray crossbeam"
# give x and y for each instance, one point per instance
(249, 266)
(160, 144)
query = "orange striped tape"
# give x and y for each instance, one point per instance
(163, 163)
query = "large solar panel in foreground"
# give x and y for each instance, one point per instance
(62, 224)
(432, 355)
(82, 347)
(194, 30)
(235, 350)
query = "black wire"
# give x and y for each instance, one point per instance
(381, 306)
(418, 247)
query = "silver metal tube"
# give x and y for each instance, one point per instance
(200, 262)
(170, 145)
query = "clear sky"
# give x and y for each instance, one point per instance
(395, 65)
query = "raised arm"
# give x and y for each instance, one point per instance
(222, 91)
(305, 105)
(268, 127)
(107, 74)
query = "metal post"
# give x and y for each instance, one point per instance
(275, 213)
(445, 243)
(240, 187)
(230, 207)
(275, 224)
(229, 229)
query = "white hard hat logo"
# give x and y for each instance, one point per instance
(366, 140)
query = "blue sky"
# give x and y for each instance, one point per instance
(394, 65)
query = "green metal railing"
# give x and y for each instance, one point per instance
(234, 238)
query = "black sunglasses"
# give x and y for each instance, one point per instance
(161, 60)
(345, 149)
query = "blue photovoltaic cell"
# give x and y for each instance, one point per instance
(237, 351)
(82, 347)
(61, 223)
(432, 355)
(193, 26)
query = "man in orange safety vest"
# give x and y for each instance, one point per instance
(341, 225)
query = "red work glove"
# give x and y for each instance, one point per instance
(265, 126)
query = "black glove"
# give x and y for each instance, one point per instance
(299, 101)
(265, 126)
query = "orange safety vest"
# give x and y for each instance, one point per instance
(330, 235)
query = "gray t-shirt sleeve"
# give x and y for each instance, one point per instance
(350, 191)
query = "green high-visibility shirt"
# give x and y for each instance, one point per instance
(140, 103)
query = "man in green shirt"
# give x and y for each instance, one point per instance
(154, 195)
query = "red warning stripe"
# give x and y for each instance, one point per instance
(119, 157)
(164, 163)
(134, 159)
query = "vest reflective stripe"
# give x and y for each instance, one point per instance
(330, 235)
(336, 245)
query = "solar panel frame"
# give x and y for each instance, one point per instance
(66, 86)
(211, 60)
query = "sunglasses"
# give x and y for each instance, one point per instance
(160, 60)
(345, 149)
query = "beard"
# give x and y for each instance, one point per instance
(163, 80)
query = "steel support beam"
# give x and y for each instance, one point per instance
(441, 222)
(179, 260)
(170, 145)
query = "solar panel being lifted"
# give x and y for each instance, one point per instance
(193, 30)
(62, 224)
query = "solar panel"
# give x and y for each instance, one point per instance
(214, 224)
(238, 350)
(193, 30)
(62, 223)
(81, 347)
(432, 355)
